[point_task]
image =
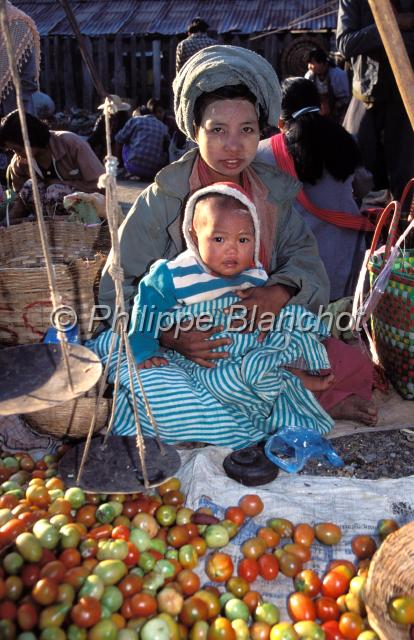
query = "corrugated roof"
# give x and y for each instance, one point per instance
(169, 17)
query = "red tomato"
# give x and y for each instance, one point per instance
(121, 532)
(328, 533)
(363, 547)
(178, 536)
(45, 591)
(303, 534)
(133, 555)
(219, 567)
(351, 625)
(27, 616)
(253, 547)
(289, 564)
(55, 570)
(221, 629)
(193, 609)
(301, 607)
(130, 585)
(70, 558)
(334, 584)
(252, 599)
(332, 632)
(8, 610)
(248, 569)
(251, 505)
(30, 574)
(188, 581)
(86, 612)
(308, 582)
(236, 515)
(10, 530)
(270, 536)
(327, 609)
(143, 605)
(268, 566)
(260, 631)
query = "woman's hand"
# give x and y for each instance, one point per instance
(263, 305)
(155, 361)
(195, 345)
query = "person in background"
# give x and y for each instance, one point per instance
(145, 143)
(196, 40)
(331, 83)
(324, 156)
(64, 163)
(376, 115)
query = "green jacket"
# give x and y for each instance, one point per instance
(152, 230)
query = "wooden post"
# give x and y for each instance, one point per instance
(133, 60)
(156, 67)
(68, 79)
(397, 54)
(46, 60)
(87, 87)
(143, 70)
(119, 71)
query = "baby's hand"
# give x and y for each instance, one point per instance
(155, 361)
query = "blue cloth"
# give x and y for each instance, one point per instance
(246, 397)
(171, 285)
(144, 138)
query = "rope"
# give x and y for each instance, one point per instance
(54, 294)
(108, 181)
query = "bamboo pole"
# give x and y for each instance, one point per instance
(393, 42)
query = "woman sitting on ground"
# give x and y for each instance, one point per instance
(64, 163)
(324, 156)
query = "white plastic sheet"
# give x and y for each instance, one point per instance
(355, 505)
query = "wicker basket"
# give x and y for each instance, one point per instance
(393, 318)
(78, 255)
(391, 574)
(71, 419)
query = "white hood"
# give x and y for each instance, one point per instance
(228, 189)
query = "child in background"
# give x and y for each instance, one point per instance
(255, 381)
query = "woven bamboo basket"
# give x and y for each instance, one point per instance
(71, 419)
(391, 574)
(78, 255)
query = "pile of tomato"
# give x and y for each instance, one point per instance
(80, 566)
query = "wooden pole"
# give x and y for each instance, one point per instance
(156, 67)
(397, 54)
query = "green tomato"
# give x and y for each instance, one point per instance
(76, 497)
(107, 511)
(146, 562)
(127, 634)
(309, 630)
(69, 536)
(199, 630)
(103, 630)
(112, 550)
(236, 609)
(54, 615)
(283, 631)
(112, 598)
(225, 597)
(5, 516)
(76, 633)
(401, 610)
(241, 628)
(368, 635)
(10, 462)
(231, 527)
(46, 533)
(26, 635)
(165, 568)
(10, 485)
(155, 629)
(93, 587)
(105, 612)
(187, 556)
(52, 633)
(184, 515)
(29, 547)
(156, 544)
(137, 571)
(12, 563)
(166, 515)
(267, 612)
(152, 582)
(7, 630)
(171, 554)
(140, 539)
(110, 571)
(216, 536)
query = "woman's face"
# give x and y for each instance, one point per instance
(228, 137)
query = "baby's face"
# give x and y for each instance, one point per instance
(224, 237)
